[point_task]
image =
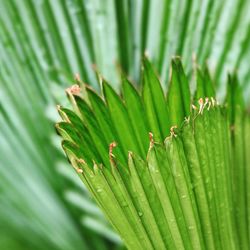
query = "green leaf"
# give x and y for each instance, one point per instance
(196, 153)
(182, 181)
(136, 114)
(121, 178)
(105, 123)
(200, 86)
(143, 202)
(235, 104)
(123, 34)
(234, 98)
(154, 102)
(247, 169)
(230, 36)
(110, 200)
(208, 83)
(164, 184)
(178, 98)
(95, 131)
(121, 121)
(181, 192)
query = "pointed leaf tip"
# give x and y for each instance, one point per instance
(154, 102)
(179, 96)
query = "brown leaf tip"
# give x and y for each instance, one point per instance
(130, 154)
(111, 147)
(172, 133)
(74, 89)
(151, 139)
(79, 170)
(194, 107)
(201, 104)
(81, 161)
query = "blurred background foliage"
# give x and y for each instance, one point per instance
(43, 44)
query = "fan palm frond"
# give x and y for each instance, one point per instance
(183, 188)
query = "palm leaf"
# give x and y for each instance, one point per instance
(188, 191)
(43, 43)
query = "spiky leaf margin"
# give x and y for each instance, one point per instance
(174, 190)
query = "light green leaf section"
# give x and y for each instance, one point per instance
(196, 154)
(184, 190)
(104, 121)
(137, 114)
(154, 102)
(247, 173)
(163, 181)
(178, 97)
(120, 119)
(235, 103)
